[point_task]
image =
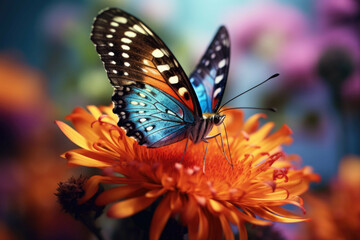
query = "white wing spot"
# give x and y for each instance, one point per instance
(166, 52)
(216, 92)
(125, 55)
(207, 63)
(142, 120)
(113, 62)
(182, 91)
(157, 53)
(149, 128)
(142, 104)
(218, 48)
(111, 53)
(146, 29)
(142, 95)
(109, 36)
(170, 112)
(110, 44)
(174, 80)
(222, 63)
(125, 47)
(126, 40)
(112, 30)
(126, 73)
(141, 111)
(114, 24)
(130, 34)
(134, 103)
(213, 56)
(114, 71)
(127, 64)
(120, 19)
(144, 70)
(219, 78)
(139, 29)
(163, 68)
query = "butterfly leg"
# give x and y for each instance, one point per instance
(187, 141)
(206, 148)
(222, 144)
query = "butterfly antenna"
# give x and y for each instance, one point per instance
(273, 76)
(227, 141)
(265, 109)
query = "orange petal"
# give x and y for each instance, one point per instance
(75, 158)
(176, 204)
(82, 121)
(262, 132)
(242, 231)
(203, 225)
(276, 218)
(193, 227)
(253, 122)
(190, 210)
(95, 111)
(226, 228)
(251, 219)
(73, 135)
(215, 206)
(129, 207)
(160, 218)
(108, 111)
(156, 193)
(234, 120)
(118, 193)
(91, 187)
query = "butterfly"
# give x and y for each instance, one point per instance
(157, 104)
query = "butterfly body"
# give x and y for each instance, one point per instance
(156, 102)
(203, 126)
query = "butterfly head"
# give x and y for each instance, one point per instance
(218, 119)
(215, 118)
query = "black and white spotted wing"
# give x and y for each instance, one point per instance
(132, 53)
(210, 75)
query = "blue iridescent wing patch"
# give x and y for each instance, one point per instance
(151, 116)
(210, 75)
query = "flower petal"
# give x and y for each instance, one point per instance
(91, 187)
(160, 218)
(95, 111)
(253, 122)
(203, 225)
(73, 135)
(118, 193)
(129, 207)
(75, 158)
(226, 228)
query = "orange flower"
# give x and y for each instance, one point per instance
(262, 180)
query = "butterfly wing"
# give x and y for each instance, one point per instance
(153, 98)
(131, 52)
(151, 116)
(210, 75)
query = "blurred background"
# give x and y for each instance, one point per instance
(48, 65)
